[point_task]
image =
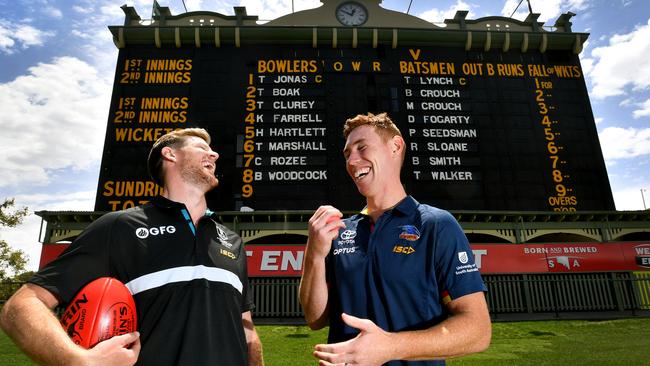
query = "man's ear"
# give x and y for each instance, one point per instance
(397, 144)
(168, 153)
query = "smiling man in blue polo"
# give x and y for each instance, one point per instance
(396, 283)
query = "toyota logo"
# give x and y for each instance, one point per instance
(348, 234)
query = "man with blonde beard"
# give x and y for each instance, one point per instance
(186, 272)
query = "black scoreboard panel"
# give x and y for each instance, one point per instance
(484, 130)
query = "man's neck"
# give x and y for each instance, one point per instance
(381, 203)
(191, 197)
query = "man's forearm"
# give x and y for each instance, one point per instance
(461, 334)
(255, 355)
(314, 292)
(36, 330)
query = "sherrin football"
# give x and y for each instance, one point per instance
(104, 308)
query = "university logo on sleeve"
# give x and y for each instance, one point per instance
(463, 257)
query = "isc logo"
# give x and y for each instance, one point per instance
(143, 232)
(228, 254)
(403, 249)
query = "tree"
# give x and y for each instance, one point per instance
(12, 262)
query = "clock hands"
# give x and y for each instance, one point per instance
(350, 13)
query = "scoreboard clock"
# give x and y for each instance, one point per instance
(351, 13)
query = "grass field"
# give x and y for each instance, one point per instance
(623, 342)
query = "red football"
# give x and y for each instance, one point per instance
(104, 308)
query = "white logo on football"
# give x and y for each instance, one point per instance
(462, 257)
(143, 232)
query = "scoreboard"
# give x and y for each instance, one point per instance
(485, 130)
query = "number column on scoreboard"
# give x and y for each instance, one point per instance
(282, 151)
(246, 142)
(562, 197)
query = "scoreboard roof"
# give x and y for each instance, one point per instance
(319, 26)
(66, 225)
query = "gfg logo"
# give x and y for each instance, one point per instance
(143, 232)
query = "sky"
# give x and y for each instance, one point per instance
(57, 64)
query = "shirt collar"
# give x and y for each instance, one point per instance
(405, 206)
(165, 203)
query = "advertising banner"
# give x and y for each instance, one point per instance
(286, 260)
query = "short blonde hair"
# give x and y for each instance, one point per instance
(384, 125)
(174, 139)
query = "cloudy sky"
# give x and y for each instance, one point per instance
(58, 61)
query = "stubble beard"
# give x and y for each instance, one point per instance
(199, 177)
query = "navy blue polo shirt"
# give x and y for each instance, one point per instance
(401, 272)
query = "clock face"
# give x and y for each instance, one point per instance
(351, 13)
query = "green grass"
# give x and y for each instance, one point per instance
(607, 343)
(289, 345)
(10, 355)
(602, 343)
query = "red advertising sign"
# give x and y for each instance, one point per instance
(49, 252)
(536, 258)
(275, 260)
(286, 260)
(508, 258)
(637, 253)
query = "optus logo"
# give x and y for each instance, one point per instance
(144, 232)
